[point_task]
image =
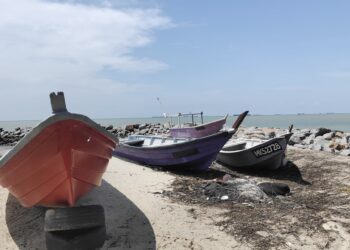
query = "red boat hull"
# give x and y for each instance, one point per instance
(59, 165)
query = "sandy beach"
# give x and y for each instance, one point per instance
(152, 209)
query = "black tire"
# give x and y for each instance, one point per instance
(62, 219)
(82, 239)
(274, 189)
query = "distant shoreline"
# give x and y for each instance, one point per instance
(332, 121)
(162, 117)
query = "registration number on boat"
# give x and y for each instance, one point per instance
(269, 149)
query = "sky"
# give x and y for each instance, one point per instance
(141, 58)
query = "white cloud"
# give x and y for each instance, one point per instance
(46, 45)
(44, 41)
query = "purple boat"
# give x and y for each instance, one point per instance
(186, 153)
(197, 131)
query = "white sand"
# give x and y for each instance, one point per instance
(137, 216)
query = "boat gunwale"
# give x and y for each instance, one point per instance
(175, 145)
(278, 138)
(56, 117)
(201, 125)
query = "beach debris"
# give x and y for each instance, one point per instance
(224, 197)
(274, 189)
(233, 189)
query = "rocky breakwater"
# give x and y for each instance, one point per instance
(12, 137)
(322, 139)
(319, 139)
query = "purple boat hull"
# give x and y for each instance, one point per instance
(198, 131)
(196, 154)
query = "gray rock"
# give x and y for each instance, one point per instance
(270, 134)
(322, 131)
(143, 126)
(167, 125)
(144, 131)
(345, 152)
(328, 136)
(110, 127)
(129, 127)
(339, 134)
(317, 147)
(306, 132)
(295, 139)
(309, 140)
(347, 137)
(300, 146)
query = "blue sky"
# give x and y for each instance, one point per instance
(114, 58)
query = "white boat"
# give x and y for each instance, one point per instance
(252, 153)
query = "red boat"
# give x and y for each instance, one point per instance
(59, 161)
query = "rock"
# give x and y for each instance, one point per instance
(337, 146)
(347, 137)
(17, 132)
(309, 140)
(299, 136)
(317, 147)
(328, 136)
(143, 126)
(306, 132)
(121, 134)
(110, 127)
(129, 127)
(322, 131)
(339, 134)
(144, 131)
(250, 130)
(269, 132)
(166, 125)
(295, 139)
(274, 189)
(300, 146)
(345, 152)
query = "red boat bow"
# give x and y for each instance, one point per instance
(59, 160)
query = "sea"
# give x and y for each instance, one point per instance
(339, 122)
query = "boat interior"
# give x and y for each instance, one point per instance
(152, 141)
(240, 145)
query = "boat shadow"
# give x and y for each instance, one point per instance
(289, 172)
(127, 226)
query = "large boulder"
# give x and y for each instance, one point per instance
(328, 136)
(345, 152)
(322, 131)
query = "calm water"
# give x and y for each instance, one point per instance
(332, 121)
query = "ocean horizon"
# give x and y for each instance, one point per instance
(332, 121)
